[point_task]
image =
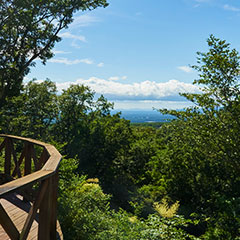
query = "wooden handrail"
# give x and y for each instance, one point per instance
(45, 173)
(24, 182)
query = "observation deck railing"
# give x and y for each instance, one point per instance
(32, 168)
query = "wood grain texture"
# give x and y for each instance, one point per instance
(8, 225)
(18, 210)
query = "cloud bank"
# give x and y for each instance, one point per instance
(146, 90)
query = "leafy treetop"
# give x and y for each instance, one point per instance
(219, 71)
(28, 30)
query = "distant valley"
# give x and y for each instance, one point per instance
(141, 116)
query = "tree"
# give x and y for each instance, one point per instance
(199, 162)
(219, 72)
(33, 112)
(92, 134)
(73, 104)
(28, 30)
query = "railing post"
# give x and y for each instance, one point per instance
(43, 158)
(28, 155)
(48, 211)
(7, 163)
(53, 221)
(27, 168)
(44, 216)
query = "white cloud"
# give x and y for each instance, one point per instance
(115, 78)
(231, 8)
(60, 52)
(72, 36)
(101, 64)
(86, 60)
(146, 90)
(75, 44)
(186, 69)
(84, 21)
(71, 62)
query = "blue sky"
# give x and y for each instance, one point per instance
(137, 52)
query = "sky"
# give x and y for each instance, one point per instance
(138, 53)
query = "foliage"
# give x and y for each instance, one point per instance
(142, 148)
(166, 210)
(199, 161)
(93, 135)
(148, 124)
(82, 209)
(32, 113)
(193, 159)
(84, 213)
(153, 228)
(28, 30)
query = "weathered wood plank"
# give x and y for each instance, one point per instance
(18, 217)
(21, 218)
(8, 225)
(34, 233)
(12, 209)
(33, 210)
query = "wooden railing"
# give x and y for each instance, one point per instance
(34, 174)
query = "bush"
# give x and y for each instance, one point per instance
(84, 213)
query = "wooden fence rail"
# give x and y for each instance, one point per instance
(34, 175)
